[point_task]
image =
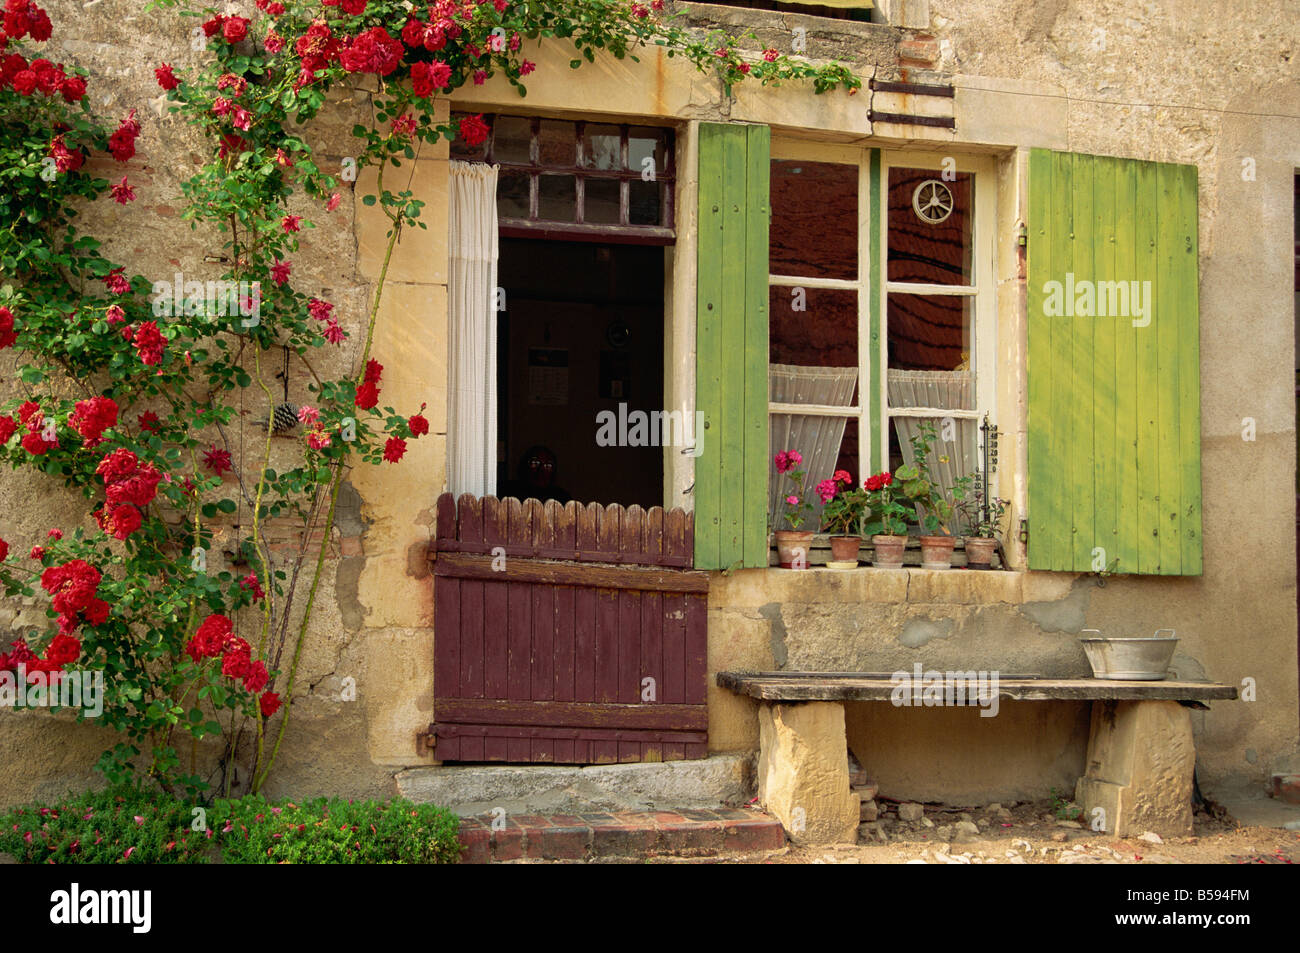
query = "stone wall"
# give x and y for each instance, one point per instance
(1177, 81)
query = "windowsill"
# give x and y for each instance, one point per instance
(819, 553)
(753, 588)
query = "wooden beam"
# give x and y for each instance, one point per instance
(569, 574)
(553, 714)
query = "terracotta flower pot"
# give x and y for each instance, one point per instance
(792, 547)
(888, 551)
(936, 552)
(979, 551)
(844, 549)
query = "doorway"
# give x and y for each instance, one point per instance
(581, 335)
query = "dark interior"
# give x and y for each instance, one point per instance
(582, 332)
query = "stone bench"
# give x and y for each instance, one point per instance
(1140, 751)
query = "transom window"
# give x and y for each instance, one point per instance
(565, 179)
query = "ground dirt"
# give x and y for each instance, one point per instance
(1032, 833)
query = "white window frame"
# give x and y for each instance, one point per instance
(983, 290)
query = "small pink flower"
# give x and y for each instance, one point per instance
(122, 192)
(308, 414)
(333, 203)
(290, 223)
(126, 855)
(792, 500)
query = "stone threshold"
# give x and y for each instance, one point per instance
(634, 835)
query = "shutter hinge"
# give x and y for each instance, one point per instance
(1024, 532)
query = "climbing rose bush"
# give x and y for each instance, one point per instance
(128, 397)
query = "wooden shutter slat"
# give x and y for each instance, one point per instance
(731, 346)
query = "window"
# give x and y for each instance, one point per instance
(835, 9)
(940, 311)
(854, 369)
(579, 180)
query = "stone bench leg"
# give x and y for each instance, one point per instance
(1140, 763)
(803, 775)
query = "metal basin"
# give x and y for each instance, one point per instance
(1130, 659)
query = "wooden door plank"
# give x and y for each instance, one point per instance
(566, 658)
(520, 640)
(673, 684)
(652, 638)
(542, 667)
(554, 714)
(609, 532)
(607, 645)
(469, 522)
(697, 648)
(472, 634)
(496, 529)
(445, 526)
(538, 533)
(629, 647)
(652, 544)
(447, 634)
(496, 639)
(584, 645)
(632, 536)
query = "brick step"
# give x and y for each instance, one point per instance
(639, 834)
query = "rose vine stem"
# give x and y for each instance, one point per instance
(258, 780)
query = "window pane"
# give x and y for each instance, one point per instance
(646, 203)
(601, 147)
(930, 332)
(511, 136)
(601, 205)
(644, 143)
(930, 224)
(814, 230)
(813, 327)
(557, 199)
(512, 194)
(558, 143)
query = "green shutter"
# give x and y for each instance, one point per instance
(1114, 408)
(731, 346)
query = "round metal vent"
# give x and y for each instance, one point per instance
(932, 201)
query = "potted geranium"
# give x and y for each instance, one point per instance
(983, 523)
(792, 544)
(889, 529)
(933, 508)
(842, 512)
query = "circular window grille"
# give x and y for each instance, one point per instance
(932, 201)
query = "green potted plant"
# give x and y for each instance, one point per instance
(983, 522)
(792, 544)
(889, 529)
(933, 508)
(842, 511)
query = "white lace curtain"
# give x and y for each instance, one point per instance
(472, 329)
(816, 437)
(942, 390)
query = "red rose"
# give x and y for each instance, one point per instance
(166, 78)
(35, 444)
(418, 425)
(4, 550)
(24, 83)
(147, 422)
(256, 678)
(373, 51)
(7, 335)
(270, 704)
(8, 426)
(235, 29)
(367, 395)
(373, 371)
(92, 417)
(73, 89)
(217, 460)
(213, 27)
(394, 449)
(474, 130)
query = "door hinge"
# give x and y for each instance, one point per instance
(427, 741)
(1024, 532)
